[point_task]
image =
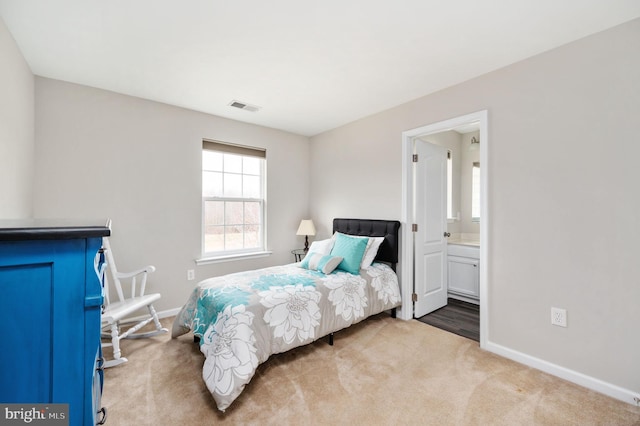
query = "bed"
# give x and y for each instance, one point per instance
(241, 319)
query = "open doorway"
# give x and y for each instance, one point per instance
(460, 313)
(424, 272)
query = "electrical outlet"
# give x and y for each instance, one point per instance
(559, 317)
(191, 275)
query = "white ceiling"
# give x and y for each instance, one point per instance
(310, 66)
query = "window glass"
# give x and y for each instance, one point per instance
(232, 185)
(232, 199)
(211, 160)
(475, 192)
(251, 186)
(449, 185)
(251, 166)
(211, 183)
(232, 163)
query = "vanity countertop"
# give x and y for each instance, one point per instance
(472, 240)
(463, 242)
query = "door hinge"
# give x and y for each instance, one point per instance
(414, 227)
(414, 297)
(415, 158)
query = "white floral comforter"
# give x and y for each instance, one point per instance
(243, 318)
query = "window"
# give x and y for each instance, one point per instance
(233, 200)
(449, 185)
(475, 192)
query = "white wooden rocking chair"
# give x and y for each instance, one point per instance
(115, 312)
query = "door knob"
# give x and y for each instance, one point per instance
(447, 234)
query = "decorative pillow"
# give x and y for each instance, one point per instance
(372, 250)
(351, 249)
(320, 262)
(322, 246)
(373, 245)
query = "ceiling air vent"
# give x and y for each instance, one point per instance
(245, 106)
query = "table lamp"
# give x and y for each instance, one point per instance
(306, 228)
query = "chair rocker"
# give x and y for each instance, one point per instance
(115, 312)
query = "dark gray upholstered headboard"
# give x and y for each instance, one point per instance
(389, 229)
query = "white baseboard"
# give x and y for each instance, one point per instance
(161, 314)
(169, 313)
(588, 382)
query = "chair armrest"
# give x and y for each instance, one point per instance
(146, 269)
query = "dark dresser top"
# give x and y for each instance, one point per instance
(51, 229)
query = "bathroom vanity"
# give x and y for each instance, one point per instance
(463, 268)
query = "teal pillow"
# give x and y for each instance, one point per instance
(351, 250)
(320, 262)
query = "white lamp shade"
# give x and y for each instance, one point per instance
(306, 228)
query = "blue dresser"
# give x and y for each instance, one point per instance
(50, 307)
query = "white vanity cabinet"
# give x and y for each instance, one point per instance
(463, 263)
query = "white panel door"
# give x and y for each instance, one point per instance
(430, 244)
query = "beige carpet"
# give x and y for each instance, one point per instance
(382, 371)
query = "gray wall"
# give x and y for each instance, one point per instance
(100, 154)
(16, 130)
(563, 195)
(563, 156)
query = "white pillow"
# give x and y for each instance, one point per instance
(370, 252)
(323, 246)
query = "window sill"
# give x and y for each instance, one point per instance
(232, 257)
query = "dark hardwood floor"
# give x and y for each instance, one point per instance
(457, 317)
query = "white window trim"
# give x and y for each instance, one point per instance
(207, 260)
